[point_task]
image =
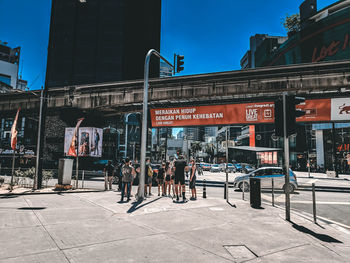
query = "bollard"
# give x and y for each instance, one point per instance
(225, 192)
(82, 179)
(314, 202)
(243, 191)
(273, 192)
(204, 189)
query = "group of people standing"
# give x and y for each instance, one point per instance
(170, 177)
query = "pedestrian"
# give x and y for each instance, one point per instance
(180, 168)
(128, 174)
(148, 177)
(118, 173)
(160, 178)
(172, 178)
(193, 181)
(109, 173)
(167, 178)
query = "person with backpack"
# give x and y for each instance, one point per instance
(128, 175)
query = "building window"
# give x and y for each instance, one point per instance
(5, 79)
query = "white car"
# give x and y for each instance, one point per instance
(266, 174)
(215, 168)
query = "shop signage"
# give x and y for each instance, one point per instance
(318, 110)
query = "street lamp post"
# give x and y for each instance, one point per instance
(35, 185)
(144, 119)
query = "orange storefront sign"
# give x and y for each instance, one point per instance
(245, 113)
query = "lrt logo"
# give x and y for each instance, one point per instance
(251, 114)
(344, 108)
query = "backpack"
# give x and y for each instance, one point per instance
(150, 171)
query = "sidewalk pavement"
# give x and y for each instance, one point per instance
(94, 227)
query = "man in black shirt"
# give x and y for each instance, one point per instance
(180, 168)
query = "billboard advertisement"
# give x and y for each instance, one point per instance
(318, 110)
(90, 141)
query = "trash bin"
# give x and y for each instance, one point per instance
(65, 169)
(255, 192)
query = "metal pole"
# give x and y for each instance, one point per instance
(243, 190)
(334, 151)
(273, 192)
(82, 179)
(314, 202)
(13, 169)
(286, 157)
(144, 120)
(35, 184)
(226, 183)
(77, 162)
(166, 144)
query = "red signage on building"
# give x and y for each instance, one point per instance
(246, 113)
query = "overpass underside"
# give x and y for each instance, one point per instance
(317, 80)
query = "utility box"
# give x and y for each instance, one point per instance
(255, 192)
(65, 169)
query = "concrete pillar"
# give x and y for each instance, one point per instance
(319, 147)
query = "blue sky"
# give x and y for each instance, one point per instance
(212, 34)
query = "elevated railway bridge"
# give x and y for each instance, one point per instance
(103, 104)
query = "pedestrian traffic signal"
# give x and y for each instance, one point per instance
(179, 63)
(291, 114)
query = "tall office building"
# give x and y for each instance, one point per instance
(93, 41)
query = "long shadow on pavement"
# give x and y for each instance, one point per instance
(135, 206)
(322, 237)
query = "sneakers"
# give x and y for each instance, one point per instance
(158, 194)
(177, 198)
(150, 194)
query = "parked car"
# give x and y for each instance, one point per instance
(238, 167)
(206, 166)
(247, 168)
(231, 168)
(215, 168)
(222, 167)
(265, 174)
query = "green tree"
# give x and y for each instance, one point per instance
(210, 150)
(195, 147)
(291, 23)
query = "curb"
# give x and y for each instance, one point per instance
(323, 178)
(50, 193)
(309, 216)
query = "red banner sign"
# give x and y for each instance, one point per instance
(246, 113)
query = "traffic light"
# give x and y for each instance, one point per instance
(179, 63)
(279, 117)
(291, 114)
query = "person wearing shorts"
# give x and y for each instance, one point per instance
(167, 178)
(180, 168)
(160, 179)
(109, 173)
(193, 181)
(148, 177)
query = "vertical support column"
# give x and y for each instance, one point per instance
(286, 157)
